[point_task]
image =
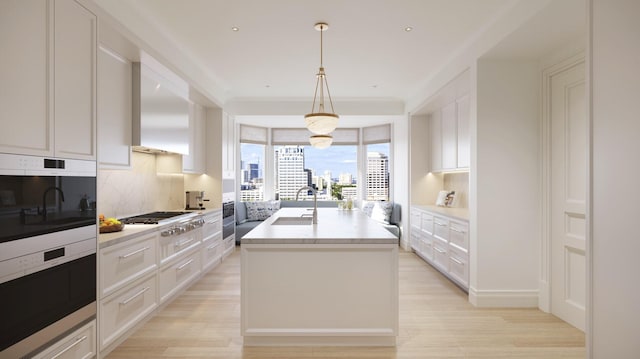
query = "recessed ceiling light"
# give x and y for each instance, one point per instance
(235, 28)
(267, 86)
(408, 28)
(374, 86)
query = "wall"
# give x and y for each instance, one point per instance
(400, 180)
(615, 85)
(505, 166)
(142, 189)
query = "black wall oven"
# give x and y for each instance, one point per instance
(47, 251)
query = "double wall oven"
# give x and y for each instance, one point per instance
(47, 251)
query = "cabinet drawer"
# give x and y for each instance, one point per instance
(441, 228)
(79, 344)
(212, 225)
(125, 262)
(459, 234)
(416, 240)
(177, 274)
(123, 309)
(441, 255)
(173, 245)
(416, 218)
(459, 266)
(427, 223)
(211, 253)
(427, 247)
(229, 245)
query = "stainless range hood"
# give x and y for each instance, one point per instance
(160, 110)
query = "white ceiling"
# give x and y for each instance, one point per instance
(275, 54)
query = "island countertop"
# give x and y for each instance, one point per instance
(334, 227)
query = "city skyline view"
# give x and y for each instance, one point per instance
(336, 159)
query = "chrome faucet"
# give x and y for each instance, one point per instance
(44, 200)
(315, 202)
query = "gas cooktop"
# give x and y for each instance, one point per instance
(152, 218)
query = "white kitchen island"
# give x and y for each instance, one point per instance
(331, 283)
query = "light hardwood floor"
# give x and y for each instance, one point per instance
(436, 321)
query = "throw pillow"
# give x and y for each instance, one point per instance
(258, 211)
(367, 207)
(381, 211)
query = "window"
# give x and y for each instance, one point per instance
(252, 165)
(331, 171)
(377, 140)
(277, 167)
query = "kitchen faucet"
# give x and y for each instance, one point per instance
(44, 200)
(315, 202)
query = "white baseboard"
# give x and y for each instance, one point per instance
(503, 298)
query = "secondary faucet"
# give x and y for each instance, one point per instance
(315, 202)
(44, 200)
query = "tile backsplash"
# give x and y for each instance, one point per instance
(140, 189)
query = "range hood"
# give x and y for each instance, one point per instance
(160, 109)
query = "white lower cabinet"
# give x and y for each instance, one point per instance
(141, 274)
(175, 275)
(229, 245)
(81, 344)
(443, 242)
(123, 309)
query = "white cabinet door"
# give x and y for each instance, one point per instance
(228, 146)
(464, 145)
(75, 47)
(436, 141)
(24, 78)
(449, 137)
(194, 162)
(80, 344)
(114, 109)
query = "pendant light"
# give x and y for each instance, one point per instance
(320, 141)
(321, 122)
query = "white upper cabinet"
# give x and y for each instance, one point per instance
(194, 162)
(450, 146)
(48, 78)
(449, 137)
(114, 109)
(464, 143)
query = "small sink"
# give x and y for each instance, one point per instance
(292, 221)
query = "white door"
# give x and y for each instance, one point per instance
(568, 194)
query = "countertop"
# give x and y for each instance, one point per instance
(334, 227)
(457, 213)
(134, 230)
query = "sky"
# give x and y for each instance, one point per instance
(337, 159)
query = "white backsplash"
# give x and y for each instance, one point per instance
(139, 190)
(458, 182)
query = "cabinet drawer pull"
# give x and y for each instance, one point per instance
(76, 342)
(183, 243)
(213, 246)
(440, 224)
(181, 267)
(440, 250)
(125, 256)
(140, 292)
(458, 230)
(456, 261)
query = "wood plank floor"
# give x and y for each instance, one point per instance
(436, 321)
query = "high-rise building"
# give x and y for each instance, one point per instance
(291, 172)
(345, 178)
(377, 176)
(254, 171)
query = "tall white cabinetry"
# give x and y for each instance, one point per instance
(449, 126)
(48, 78)
(228, 146)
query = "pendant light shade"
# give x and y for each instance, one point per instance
(320, 121)
(320, 141)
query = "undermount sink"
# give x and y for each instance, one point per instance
(292, 221)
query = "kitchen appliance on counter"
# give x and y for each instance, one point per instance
(194, 200)
(47, 251)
